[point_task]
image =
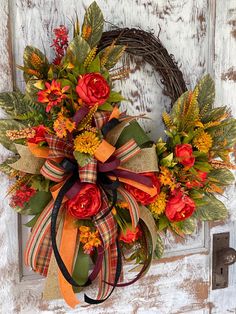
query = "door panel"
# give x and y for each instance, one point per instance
(180, 282)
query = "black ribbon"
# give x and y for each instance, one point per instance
(57, 204)
(117, 277)
(109, 126)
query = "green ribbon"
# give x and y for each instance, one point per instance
(134, 131)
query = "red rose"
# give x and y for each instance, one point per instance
(130, 235)
(143, 197)
(184, 153)
(86, 203)
(39, 136)
(201, 179)
(179, 206)
(93, 89)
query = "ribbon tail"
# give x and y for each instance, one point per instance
(67, 250)
(38, 248)
(112, 268)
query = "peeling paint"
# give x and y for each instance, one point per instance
(230, 75)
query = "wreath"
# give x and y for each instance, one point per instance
(100, 191)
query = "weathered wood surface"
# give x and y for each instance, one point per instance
(176, 284)
(224, 300)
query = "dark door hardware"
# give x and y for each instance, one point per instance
(223, 256)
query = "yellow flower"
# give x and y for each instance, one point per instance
(203, 142)
(86, 142)
(63, 124)
(166, 178)
(158, 207)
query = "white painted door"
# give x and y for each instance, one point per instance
(202, 37)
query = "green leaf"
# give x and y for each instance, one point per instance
(115, 97)
(32, 221)
(95, 66)
(93, 20)
(206, 96)
(163, 223)
(82, 158)
(13, 103)
(223, 176)
(65, 82)
(187, 226)
(81, 268)
(112, 54)
(77, 51)
(72, 78)
(32, 91)
(168, 161)
(34, 59)
(39, 183)
(106, 107)
(5, 125)
(38, 202)
(210, 208)
(159, 250)
(6, 168)
(203, 166)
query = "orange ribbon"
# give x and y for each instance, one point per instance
(67, 252)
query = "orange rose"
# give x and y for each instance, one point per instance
(179, 206)
(93, 89)
(130, 235)
(143, 197)
(184, 154)
(86, 203)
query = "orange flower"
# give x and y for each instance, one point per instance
(53, 95)
(63, 124)
(89, 239)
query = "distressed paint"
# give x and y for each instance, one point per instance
(224, 300)
(9, 268)
(177, 284)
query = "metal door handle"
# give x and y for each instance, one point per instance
(223, 256)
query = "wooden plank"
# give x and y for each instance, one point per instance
(177, 284)
(9, 266)
(223, 300)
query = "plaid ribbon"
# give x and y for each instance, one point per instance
(59, 147)
(108, 271)
(127, 151)
(88, 173)
(53, 171)
(38, 249)
(101, 118)
(133, 206)
(107, 226)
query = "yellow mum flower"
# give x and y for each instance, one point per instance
(87, 143)
(203, 142)
(158, 207)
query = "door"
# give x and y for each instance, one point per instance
(202, 37)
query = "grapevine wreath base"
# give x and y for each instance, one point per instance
(99, 190)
